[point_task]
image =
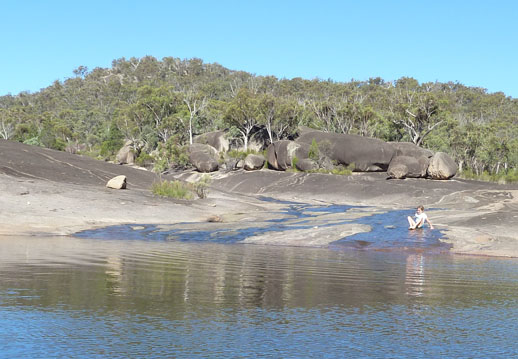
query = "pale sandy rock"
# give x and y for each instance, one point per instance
(118, 182)
(442, 166)
(215, 139)
(126, 154)
(254, 162)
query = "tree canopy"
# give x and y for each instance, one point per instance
(154, 102)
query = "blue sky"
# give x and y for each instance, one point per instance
(471, 42)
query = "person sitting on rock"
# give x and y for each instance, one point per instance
(420, 218)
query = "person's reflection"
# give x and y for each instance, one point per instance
(113, 273)
(414, 278)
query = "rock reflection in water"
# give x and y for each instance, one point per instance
(127, 298)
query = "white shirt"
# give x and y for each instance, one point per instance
(420, 218)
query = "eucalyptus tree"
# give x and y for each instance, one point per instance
(242, 114)
(7, 128)
(416, 111)
(196, 103)
(267, 108)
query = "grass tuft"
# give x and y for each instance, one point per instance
(172, 189)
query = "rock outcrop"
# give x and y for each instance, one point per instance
(306, 165)
(203, 157)
(254, 162)
(442, 166)
(126, 155)
(214, 139)
(409, 149)
(280, 154)
(408, 166)
(367, 154)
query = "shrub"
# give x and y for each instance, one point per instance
(314, 153)
(182, 190)
(144, 159)
(172, 189)
(294, 162)
(503, 177)
(240, 155)
(171, 155)
(343, 171)
(201, 187)
(113, 141)
(340, 170)
(33, 141)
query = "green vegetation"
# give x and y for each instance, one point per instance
(201, 187)
(294, 162)
(171, 154)
(182, 190)
(337, 170)
(172, 189)
(240, 155)
(502, 177)
(161, 104)
(314, 153)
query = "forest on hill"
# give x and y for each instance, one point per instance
(162, 104)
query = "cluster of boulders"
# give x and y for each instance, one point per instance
(363, 154)
(313, 150)
(209, 151)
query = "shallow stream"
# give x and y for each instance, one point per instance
(389, 230)
(157, 294)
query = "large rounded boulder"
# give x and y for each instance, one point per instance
(367, 154)
(409, 149)
(254, 162)
(280, 154)
(408, 167)
(203, 157)
(126, 154)
(306, 165)
(214, 139)
(442, 166)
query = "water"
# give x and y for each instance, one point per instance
(389, 229)
(120, 298)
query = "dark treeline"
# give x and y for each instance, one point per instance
(163, 104)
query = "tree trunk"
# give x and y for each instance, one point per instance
(190, 129)
(245, 141)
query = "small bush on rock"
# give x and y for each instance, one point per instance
(172, 189)
(201, 187)
(182, 190)
(144, 159)
(240, 155)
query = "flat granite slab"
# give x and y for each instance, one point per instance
(46, 192)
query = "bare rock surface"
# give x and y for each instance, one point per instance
(50, 192)
(478, 217)
(55, 193)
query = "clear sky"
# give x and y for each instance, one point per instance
(471, 42)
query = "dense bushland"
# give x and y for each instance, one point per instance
(161, 105)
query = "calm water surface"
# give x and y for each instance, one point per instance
(88, 298)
